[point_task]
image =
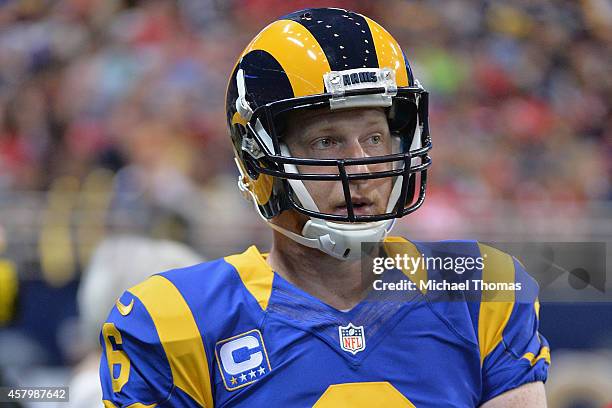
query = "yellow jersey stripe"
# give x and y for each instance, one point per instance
(399, 246)
(388, 52)
(139, 405)
(495, 306)
(179, 337)
(255, 273)
(544, 354)
(108, 404)
(294, 47)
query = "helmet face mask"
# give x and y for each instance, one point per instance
(330, 60)
(265, 154)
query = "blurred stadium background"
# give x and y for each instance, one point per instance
(112, 125)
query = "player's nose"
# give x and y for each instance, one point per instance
(354, 150)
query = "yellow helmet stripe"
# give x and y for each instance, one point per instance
(389, 52)
(294, 47)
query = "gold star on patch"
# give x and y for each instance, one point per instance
(234, 381)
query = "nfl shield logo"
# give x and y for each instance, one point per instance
(352, 338)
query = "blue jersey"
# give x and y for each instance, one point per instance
(233, 333)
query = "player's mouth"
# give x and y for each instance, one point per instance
(361, 206)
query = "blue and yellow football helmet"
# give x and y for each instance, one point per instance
(326, 59)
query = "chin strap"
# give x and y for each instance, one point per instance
(343, 241)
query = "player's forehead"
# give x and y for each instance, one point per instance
(318, 120)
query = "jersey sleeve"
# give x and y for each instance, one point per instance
(133, 366)
(513, 352)
(153, 352)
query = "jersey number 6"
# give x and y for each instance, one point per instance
(115, 357)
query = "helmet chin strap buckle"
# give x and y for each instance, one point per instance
(327, 244)
(343, 241)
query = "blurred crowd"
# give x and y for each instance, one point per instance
(520, 91)
(113, 112)
(118, 107)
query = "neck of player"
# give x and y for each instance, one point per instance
(338, 283)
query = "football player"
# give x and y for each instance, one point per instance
(330, 133)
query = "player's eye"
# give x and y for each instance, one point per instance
(376, 139)
(323, 143)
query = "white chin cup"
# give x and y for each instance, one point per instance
(343, 241)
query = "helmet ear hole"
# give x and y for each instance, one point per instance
(237, 131)
(251, 168)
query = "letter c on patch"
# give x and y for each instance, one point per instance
(226, 353)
